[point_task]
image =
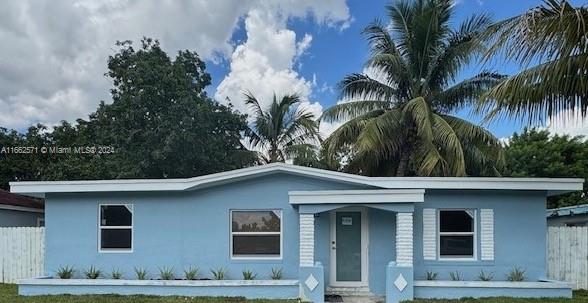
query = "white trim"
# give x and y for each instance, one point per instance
(404, 239)
(131, 227)
(306, 239)
(429, 234)
(364, 249)
(191, 283)
(255, 257)
(490, 284)
(551, 185)
(22, 208)
(473, 233)
(357, 196)
(486, 234)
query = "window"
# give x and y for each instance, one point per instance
(457, 234)
(116, 228)
(256, 234)
(40, 222)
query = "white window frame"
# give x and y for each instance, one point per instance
(474, 233)
(256, 257)
(131, 227)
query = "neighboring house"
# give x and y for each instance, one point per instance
(20, 211)
(576, 215)
(328, 232)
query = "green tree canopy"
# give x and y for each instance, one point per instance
(535, 153)
(399, 119)
(161, 124)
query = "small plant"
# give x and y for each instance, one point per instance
(219, 273)
(92, 273)
(65, 272)
(516, 275)
(484, 276)
(276, 274)
(455, 276)
(249, 275)
(191, 273)
(116, 274)
(141, 273)
(166, 273)
(431, 275)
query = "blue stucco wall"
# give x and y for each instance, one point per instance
(184, 229)
(16, 218)
(175, 229)
(519, 233)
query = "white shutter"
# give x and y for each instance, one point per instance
(429, 234)
(487, 234)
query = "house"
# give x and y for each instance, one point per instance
(576, 215)
(20, 211)
(326, 232)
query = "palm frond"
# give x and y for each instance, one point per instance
(363, 87)
(350, 110)
(466, 92)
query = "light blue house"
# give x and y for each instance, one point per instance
(328, 232)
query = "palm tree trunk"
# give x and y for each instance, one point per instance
(402, 164)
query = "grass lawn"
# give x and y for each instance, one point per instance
(8, 294)
(579, 296)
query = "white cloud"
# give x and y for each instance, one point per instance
(53, 53)
(264, 63)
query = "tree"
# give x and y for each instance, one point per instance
(555, 37)
(535, 153)
(284, 130)
(398, 121)
(161, 124)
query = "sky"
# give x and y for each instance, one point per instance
(53, 53)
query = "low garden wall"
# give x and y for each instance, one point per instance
(251, 289)
(476, 289)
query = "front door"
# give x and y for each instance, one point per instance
(348, 248)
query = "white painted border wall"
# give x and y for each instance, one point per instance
(22, 251)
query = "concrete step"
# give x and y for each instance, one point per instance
(354, 294)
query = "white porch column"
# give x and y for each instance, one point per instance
(306, 239)
(404, 239)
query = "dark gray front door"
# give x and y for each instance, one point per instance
(348, 245)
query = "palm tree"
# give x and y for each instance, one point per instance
(555, 36)
(398, 121)
(284, 130)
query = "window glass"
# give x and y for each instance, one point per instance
(457, 246)
(256, 233)
(456, 221)
(255, 221)
(116, 238)
(115, 215)
(256, 245)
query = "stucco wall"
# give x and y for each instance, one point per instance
(519, 233)
(16, 218)
(192, 228)
(175, 229)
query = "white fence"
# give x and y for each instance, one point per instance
(567, 255)
(22, 251)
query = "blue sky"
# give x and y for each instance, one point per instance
(336, 52)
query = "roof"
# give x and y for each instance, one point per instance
(19, 202)
(552, 186)
(581, 209)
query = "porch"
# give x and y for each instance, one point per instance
(356, 242)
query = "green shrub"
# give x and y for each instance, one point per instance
(219, 273)
(484, 276)
(455, 276)
(276, 274)
(191, 273)
(116, 274)
(92, 273)
(431, 275)
(249, 275)
(65, 272)
(516, 275)
(141, 273)
(166, 273)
